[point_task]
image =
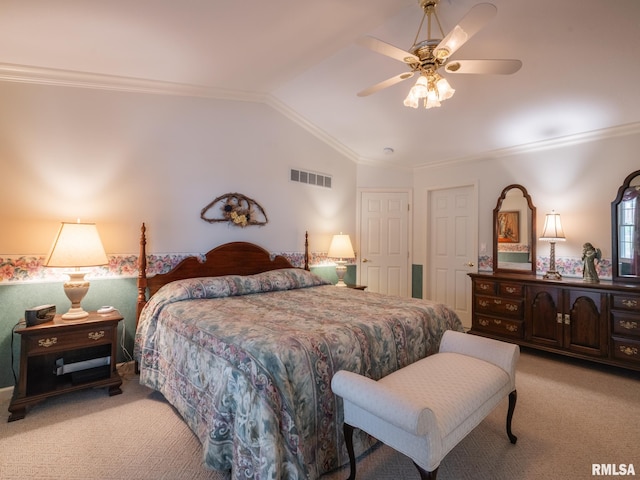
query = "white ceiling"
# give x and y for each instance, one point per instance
(581, 65)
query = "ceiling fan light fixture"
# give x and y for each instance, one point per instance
(444, 89)
(432, 99)
(431, 88)
(411, 100)
(421, 88)
(417, 92)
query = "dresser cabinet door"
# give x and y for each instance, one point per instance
(585, 323)
(544, 315)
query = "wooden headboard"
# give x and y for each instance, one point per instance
(235, 258)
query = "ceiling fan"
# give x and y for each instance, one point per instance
(429, 57)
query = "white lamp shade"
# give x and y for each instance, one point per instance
(77, 245)
(552, 231)
(341, 247)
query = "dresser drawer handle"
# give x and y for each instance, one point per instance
(510, 289)
(628, 325)
(512, 328)
(511, 307)
(483, 286)
(483, 303)
(96, 335)
(630, 303)
(483, 322)
(628, 350)
(47, 342)
(497, 301)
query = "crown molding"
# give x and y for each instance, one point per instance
(560, 142)
(311, 128)
(70, 78)
(75, 79)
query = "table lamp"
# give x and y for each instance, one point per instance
(76, 245)
(341, 249)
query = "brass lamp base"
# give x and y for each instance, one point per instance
(552, 275)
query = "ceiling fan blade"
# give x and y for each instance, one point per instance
(495, 67)
(387, 49)
(471, 24)
(385, 84)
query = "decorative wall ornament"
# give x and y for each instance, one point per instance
(237, 209)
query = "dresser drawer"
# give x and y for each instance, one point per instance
(626, 350)
(625, 324)
(626, 302)
(510, 290)
(55, 341)
(501, 306)
(487, 287)
(500, 326)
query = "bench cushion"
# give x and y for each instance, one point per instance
(456, 399)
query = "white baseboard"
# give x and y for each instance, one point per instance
(6, 393)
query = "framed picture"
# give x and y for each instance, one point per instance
(508, 227)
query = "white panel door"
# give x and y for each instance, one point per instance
(452, 248)
(384, 244)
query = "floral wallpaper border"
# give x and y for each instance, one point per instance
(570, 267)
(32, 269)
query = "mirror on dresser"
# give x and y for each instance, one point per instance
(625, 231)
(514, 221)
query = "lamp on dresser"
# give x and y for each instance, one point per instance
(552, 233)
(341, 249)
(76, 245)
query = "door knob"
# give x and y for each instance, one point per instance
(364, 260)
(470, 264)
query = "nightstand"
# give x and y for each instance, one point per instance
(60, 356)
(357, 287)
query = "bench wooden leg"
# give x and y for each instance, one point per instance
(513, 396)
(424, 475)
(348, 440)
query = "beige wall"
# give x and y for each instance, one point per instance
(577, 180)
(118, 159)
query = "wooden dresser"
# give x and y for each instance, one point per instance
(593, 321)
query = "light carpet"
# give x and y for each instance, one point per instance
(569, 415)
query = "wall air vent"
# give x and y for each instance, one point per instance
(310, 178)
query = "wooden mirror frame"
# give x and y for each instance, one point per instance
(532, 231)
(617, 276)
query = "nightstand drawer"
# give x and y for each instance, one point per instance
(500, 306)
(501, 326)
(55, 341)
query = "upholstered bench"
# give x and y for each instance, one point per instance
(424, 409)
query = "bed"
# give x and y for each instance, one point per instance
(244, 346)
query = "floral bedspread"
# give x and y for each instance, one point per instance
(247, 362)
